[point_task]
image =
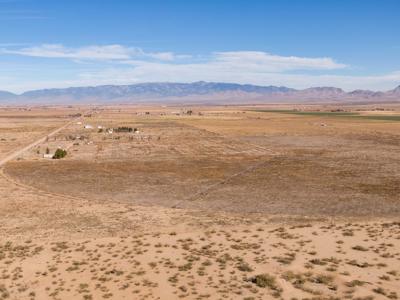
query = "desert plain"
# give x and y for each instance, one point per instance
(200, 202)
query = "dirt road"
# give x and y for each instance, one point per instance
(17, 153)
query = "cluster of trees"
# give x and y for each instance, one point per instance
(125, 129)
(60, 153)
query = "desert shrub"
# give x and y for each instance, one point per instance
(244, 267)
(267, 281)
(359, 248)
(264, 280)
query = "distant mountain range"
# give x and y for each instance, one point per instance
(196, 92)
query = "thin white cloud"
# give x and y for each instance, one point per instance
(109, 52)
(93, 52)
(167, 56)
(234, 64)
(269, 62)
(18, 14)
(254, 60)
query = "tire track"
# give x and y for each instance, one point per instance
(205, 191)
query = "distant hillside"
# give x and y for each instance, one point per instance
(6, 95)
(196, 92)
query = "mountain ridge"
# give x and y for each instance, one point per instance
(199, 91)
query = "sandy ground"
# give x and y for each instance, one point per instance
(226, 205)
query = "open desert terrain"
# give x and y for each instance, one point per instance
(200, 202)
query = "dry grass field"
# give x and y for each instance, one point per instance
(214, 202)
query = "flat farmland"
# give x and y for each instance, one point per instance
(233, 161)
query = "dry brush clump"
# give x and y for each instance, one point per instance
(266, 281)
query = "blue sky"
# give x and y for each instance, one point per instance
(353, 44)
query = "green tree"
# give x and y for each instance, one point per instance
(60, 153)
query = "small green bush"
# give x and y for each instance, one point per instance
(60, 153)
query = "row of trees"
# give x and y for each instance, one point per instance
(125, 129)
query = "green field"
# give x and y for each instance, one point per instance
(335, 114)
